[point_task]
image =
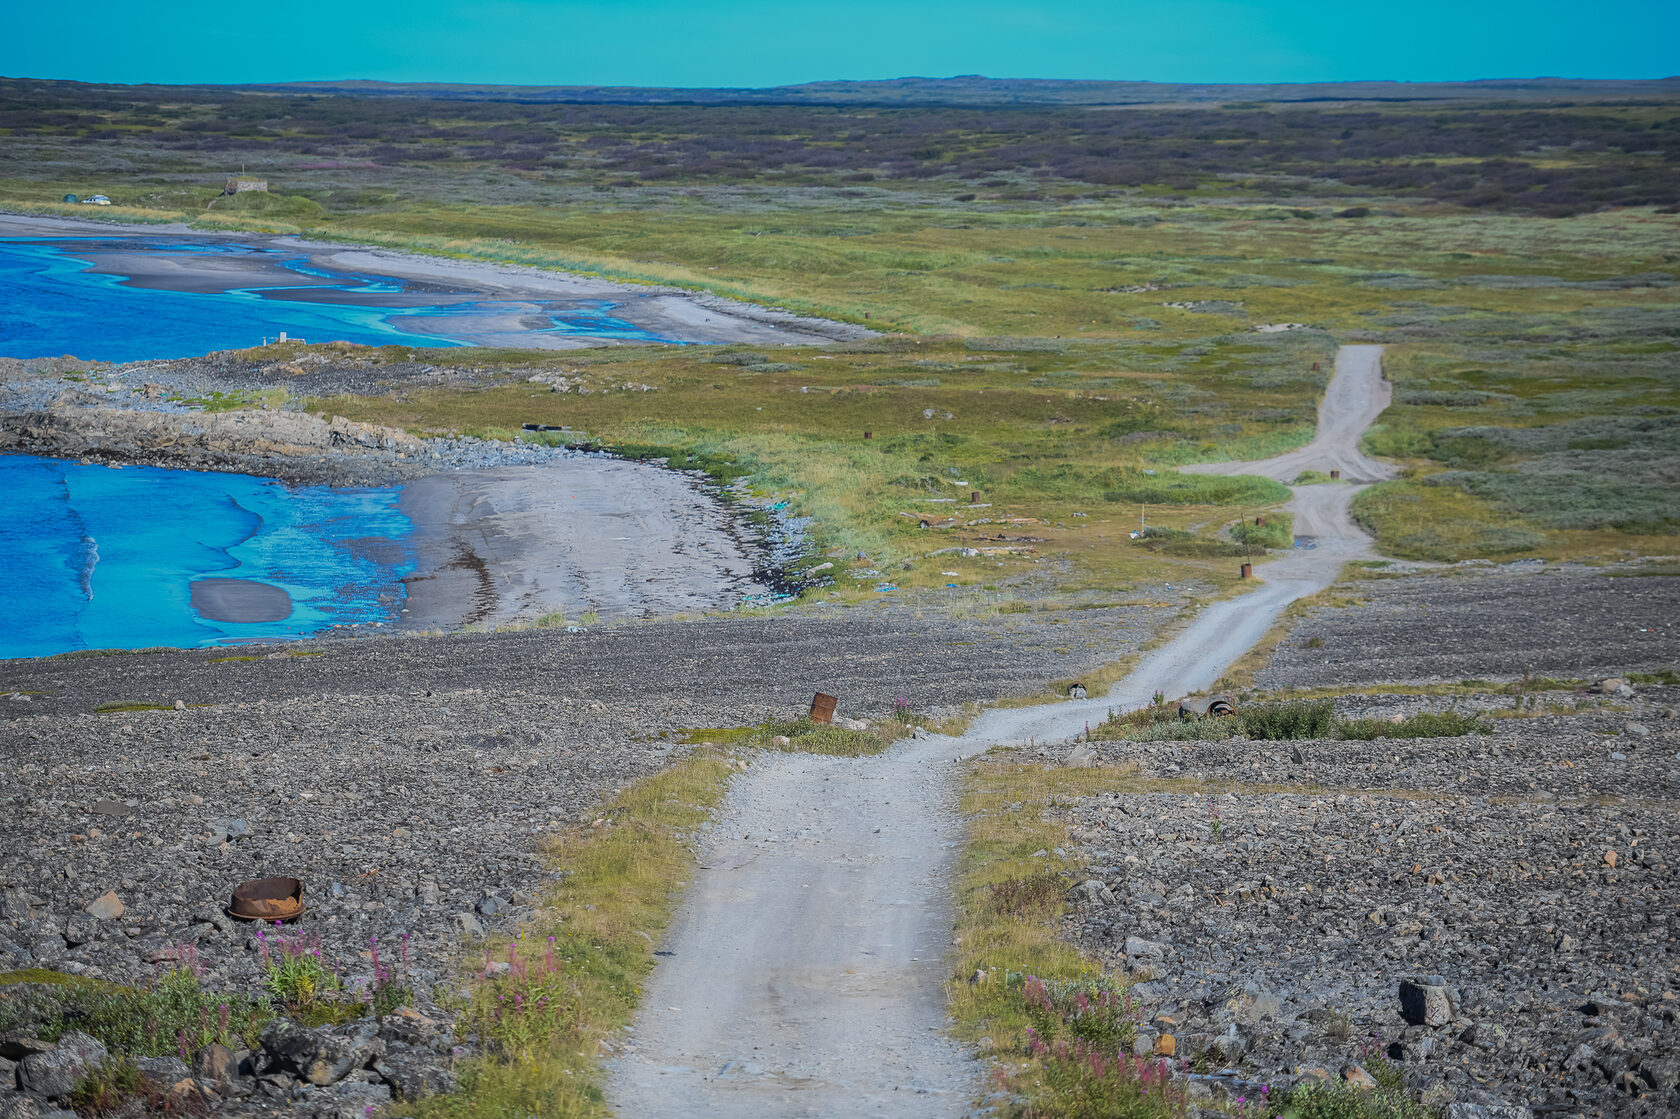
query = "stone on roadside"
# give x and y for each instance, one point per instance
(1090, 890)
(1357, 1077)
(164, 1070)
(105, 907)
(1082, 756)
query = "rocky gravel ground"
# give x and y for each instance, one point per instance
(1480, 621)
(404, 779)
(1494, 915)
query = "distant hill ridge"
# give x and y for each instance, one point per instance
(976, 90)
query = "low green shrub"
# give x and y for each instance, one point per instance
(1305, 718)
(117, 1087)
(1340, 1100)
(175, 1013)
(1425, 724)
(1090, 1010)
(1277, 532)
(1172, 488)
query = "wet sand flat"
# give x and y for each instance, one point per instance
(583, 534)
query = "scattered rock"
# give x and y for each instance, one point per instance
(1140, 949)
(105, 907)
(1082, 755)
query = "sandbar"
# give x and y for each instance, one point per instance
(240, 600)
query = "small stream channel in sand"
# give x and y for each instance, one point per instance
(808, 966)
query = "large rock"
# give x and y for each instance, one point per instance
(321, 1056)
(106, 907)
(55, 1072)
(414, 1073)
(1428, 1002)
(19, 1107)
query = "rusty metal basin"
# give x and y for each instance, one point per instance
(267, 899)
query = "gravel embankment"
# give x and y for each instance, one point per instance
(1476, 622)
(1271, 910)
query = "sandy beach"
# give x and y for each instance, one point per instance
(582, 534)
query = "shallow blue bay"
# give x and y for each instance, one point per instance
(99, 557)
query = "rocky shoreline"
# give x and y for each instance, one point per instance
(130, 414)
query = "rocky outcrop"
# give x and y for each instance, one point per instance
(285, 444)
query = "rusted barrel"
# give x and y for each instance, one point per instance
(1247, 571)
(973, 496)
(267, 899)
(1335, 474)
(869, 435)
(822, 708)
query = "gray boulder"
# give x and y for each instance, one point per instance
(55, 1072)
(321, 1056)
(414, 1073)
(1428, 1001)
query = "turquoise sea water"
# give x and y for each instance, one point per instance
(104, 558)
(50, 304)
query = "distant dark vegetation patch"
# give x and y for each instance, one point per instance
(1549, 158)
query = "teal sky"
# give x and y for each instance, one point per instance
(778, 42)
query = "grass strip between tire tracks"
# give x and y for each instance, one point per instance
(574, 975)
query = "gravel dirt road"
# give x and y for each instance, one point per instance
(807, 960)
